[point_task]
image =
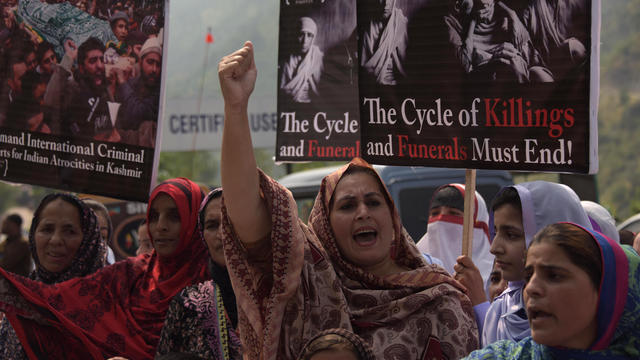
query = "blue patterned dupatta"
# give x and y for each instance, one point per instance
(618, 332)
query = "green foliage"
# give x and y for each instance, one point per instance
(619, 108)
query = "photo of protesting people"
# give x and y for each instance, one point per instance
(224, 254)
(87, 69)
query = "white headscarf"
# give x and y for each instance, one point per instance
(601, 220)
(443, 238)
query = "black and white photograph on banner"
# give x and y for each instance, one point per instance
(80, 93)
(480, 83)
(384, 41)
(317, 81)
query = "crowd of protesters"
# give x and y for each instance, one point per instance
(96, 77)
(238, 275)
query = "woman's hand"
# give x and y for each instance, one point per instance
(237, 73)
(469, 276)
(245, 207)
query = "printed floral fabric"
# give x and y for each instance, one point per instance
(197, 323)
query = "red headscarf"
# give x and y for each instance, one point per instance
(119, 310)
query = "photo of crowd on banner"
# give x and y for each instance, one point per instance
(87, 68)
(511, 41)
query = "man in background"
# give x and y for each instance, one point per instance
(16, 257)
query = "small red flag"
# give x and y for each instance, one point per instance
(209, 38)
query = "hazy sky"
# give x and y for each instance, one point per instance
(231, 22)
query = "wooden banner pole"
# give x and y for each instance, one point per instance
(469, 203)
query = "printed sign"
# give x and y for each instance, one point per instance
(470, 84)
(318, 116)
(79, 105)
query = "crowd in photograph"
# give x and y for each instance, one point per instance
(88, 69)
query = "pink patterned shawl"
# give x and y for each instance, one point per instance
(286, 289)
(418, 314)
(289, 289)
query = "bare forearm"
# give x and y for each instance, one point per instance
(240, 181)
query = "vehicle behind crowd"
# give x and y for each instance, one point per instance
(410, 187)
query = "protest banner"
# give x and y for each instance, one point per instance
(317, 81)
(492, 85)
(80, 102)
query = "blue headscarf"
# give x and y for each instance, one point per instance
(618, 314)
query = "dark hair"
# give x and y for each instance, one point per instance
(91, 44)
(13, 61)
(16, 219)
(448, 196)
(578, 245)
(42, 49)
(99, 207)
(30, 80)
(508, 195)
(626, 237)
(49, 199)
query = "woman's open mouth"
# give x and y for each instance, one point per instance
(365, 236)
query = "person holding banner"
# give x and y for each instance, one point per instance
(65, 243)
(443, 238)
(354, 268)
(518, 213)
(302, 70)
(582, 297)
(120, 310)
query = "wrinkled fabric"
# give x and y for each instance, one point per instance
(618, 314)
(197, 324)
(425, 297)
(384, 47)
(286, 288)
(443, 238)
(89, 258)
(543, 203)
(56, 23)
(601, 220)
(295, 284)
(301, 74)
(201, 320)
(120, 309)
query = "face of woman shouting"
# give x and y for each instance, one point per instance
(361, 221)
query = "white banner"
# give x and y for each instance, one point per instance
(186, 129)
